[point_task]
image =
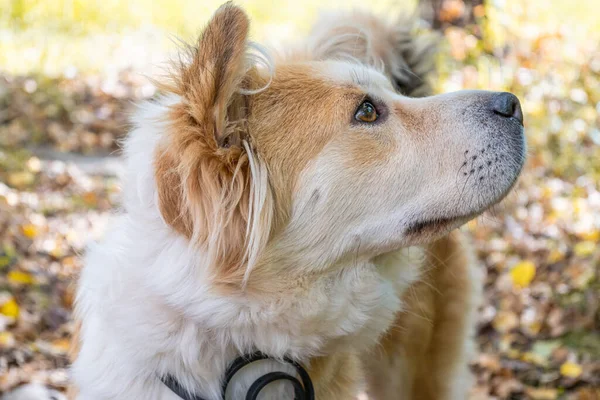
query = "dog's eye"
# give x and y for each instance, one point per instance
(366, 112)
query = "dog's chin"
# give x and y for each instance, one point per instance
(428, 229)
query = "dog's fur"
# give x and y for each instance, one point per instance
(260, 215)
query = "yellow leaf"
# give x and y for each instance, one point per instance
(585, 248)
(29, 230)
(555, 256)
(571, 370)
(6, 339)
(547, 193)
(534, 359)
(20, 179)
(533, 328)
(512, 353)
(523, 273)
(10, 308)
(19, 277)
(592, 236)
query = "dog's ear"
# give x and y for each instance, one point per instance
(209, 77)
(206, 174)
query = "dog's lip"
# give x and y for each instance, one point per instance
(434, 224)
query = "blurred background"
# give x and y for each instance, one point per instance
(70, 71)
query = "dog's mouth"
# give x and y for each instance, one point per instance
(437, 225)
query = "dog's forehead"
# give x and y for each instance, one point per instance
(348, 73)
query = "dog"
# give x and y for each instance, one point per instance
(302, 205)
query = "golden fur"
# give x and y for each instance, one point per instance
(430, 336)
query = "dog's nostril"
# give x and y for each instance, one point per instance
(507, 105)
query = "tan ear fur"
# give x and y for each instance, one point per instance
(204, 166)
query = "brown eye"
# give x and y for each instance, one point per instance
(366, 112)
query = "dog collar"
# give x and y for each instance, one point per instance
(302, 390)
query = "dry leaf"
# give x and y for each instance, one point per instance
(10, 308)
(20, 179)
(29, 230)
(7, 339)
(523, 273)
(585, 248)
(571, 370)
(20, 278)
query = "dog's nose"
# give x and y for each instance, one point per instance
(507, 105)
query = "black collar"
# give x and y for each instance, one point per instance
(302, 390)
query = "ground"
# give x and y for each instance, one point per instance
(539, 326)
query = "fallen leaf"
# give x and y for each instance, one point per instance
(585, 248)
(20, 179)
(29, 230)
(593, 236)
(541, 393)
(571, 370)
(10, 308)
(20, 278)
(7, 339)
(555, 256)
(523, 273)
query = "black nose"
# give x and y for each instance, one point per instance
(507, 105)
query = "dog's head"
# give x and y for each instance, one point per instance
(314, 162)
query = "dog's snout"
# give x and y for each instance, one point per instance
(507, 105)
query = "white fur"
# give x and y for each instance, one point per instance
(148, 308)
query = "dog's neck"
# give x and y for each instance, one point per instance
(170, 320)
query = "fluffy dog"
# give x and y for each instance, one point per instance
(299, 205)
